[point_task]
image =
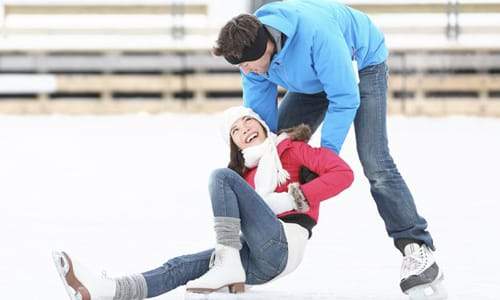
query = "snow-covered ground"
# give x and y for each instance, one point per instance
(126, 193)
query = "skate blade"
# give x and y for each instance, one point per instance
(233, 288)
(432, 291)
(65, 271)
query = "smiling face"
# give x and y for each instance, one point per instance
(247, 132)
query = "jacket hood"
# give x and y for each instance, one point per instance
(281, 17)
(301, 132)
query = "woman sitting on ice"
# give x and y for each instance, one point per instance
(259, 196)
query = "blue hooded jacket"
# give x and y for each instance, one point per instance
(322, 39)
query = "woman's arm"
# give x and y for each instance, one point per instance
(334, 174)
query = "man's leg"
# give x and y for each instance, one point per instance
(390, 192)
(296, 108)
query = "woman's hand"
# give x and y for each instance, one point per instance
(294, 199)
(280, 202)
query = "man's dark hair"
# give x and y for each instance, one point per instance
(239, 33)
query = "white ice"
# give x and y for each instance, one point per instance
(126, 193)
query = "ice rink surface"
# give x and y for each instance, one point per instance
(126, 193)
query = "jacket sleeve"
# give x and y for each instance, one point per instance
(334, 174)
(261, 95)
(333, 64)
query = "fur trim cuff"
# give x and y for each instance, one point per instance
(299, 199)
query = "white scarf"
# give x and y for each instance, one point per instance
(265, 157)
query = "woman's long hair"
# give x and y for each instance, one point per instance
(236, 160)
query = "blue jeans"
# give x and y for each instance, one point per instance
(393, 198)
(265, 250)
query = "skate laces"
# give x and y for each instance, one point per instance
(215, 259)
(104, 275)
(415, 262)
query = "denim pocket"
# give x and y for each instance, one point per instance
(373, 69)
(254, 278)
(262, 269)
(272, 259)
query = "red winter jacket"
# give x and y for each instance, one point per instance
(334, 174)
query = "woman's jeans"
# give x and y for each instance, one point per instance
(265, 250)
(394, 201)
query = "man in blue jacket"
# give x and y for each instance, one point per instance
(331, 59)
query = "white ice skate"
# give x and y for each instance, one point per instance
(421, 277)
(226, 271)
(80, 283)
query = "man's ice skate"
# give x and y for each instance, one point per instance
(80, 283)
(226, 271)
(421, 277)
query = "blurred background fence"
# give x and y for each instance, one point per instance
(110, 56)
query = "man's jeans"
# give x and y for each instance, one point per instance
(265, 250)
(394, 201)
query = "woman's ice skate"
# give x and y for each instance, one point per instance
(226, 271)
(80, 283)
(421, 277)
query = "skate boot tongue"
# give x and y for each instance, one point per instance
(411, 249)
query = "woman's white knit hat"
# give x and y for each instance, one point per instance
(233, 114)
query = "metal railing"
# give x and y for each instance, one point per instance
(103, 61)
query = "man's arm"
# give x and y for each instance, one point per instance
(333, 65)
(260, 95)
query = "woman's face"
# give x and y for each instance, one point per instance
(247, 132)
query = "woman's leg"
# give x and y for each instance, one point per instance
(264, 250)
(263, 247)
(176, 272)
